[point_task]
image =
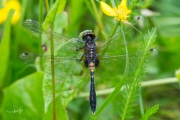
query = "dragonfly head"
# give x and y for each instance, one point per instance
(88, 35)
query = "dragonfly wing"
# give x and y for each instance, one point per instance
(43, 36)
(115, 45)
(34, 27)
(124, 36)
(112, 68)
(115, 52)
(64, 50)
(37, 30)
(63, 66)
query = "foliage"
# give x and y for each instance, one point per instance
(29, 92)
(149, 112)
(134, 75)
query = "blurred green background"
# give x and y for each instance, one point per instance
(78, 16)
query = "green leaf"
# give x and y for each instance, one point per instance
(149, 112)
(61, 6)
(56, 8)
(60, 22)
(61, 113)
(66, 76)
(23, 100)
(5, 48)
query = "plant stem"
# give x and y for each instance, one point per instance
(97, 14)
(111, 35)
(126, 49)
(141, 101)
(47, 5)
(40, 11)
(40, 21)
(114, 29)
(143, 84)
(52, 73)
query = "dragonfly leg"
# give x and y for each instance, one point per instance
(79, 60)
(79, 48)
(96, 38)
(78, 40)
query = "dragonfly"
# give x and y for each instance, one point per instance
(103, 60)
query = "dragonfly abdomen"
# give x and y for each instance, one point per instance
(92, 93)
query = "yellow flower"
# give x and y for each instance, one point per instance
(121, 12)
(7, 6)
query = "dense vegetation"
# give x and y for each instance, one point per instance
(27, 94)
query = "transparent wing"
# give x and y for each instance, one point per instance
(110, 67)
(113, 57)
(113, 66)
(111, 53)
(116, 53)
(62, 44)
(63, 66)
(116, 43)
(38, 31)
(65, 54)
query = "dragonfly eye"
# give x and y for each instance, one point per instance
(88, 36)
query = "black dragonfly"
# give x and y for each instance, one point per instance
(105, 59)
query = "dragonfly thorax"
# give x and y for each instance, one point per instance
(90, 54)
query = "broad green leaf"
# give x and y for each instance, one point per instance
(5, 48)
(67, 77)
(67, 71)
(61, 113)
(23, 99)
